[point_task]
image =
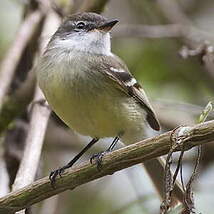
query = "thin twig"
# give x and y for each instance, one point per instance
(189, 206)
(168, 183)
(112, 162)
(149, 31)
(178, 166)
(9, 63)
(181, 177)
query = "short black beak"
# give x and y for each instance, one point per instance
(108, 25)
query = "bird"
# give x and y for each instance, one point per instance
(90, 88)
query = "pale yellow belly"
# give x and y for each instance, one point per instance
(104, 113)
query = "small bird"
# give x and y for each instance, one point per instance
(90, 88)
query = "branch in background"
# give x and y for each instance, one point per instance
(149, 31)
(112, 162)
(11, 60)
(38, 125)
(163, 31)
(34, 143)
(196, 41)
(14, 69)
(208, 59)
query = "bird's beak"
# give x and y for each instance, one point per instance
(107, 26)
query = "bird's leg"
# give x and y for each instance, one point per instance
(98, 156)
(59, 171)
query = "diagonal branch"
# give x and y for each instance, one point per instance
(9, 63)
(113, 162)
(190, 34)
(38, 124)
(150, 31)
(34, 142)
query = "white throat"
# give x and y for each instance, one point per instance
(93, 42)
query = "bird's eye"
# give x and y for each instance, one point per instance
(80, 25)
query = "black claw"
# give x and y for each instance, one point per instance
(98, 159)
(54, 174)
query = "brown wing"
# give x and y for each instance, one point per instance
(115, 69)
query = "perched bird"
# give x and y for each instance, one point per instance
(90, 88)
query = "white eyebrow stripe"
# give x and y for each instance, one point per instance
(131, 82)
(117, 70)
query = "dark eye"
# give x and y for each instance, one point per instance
(80, 25)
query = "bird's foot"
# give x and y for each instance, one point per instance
(54, 174)
(98, 159)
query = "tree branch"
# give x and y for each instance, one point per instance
(197, 41)
(38, 124)
(150, 31)
(112, 162)
(9, 63)
(34, 142)
(190, 34)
